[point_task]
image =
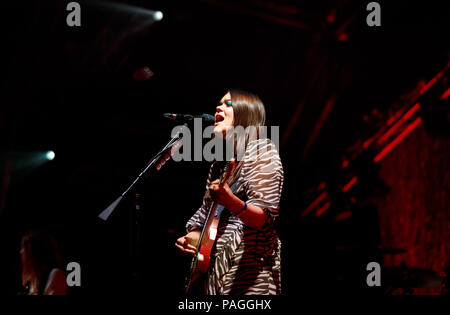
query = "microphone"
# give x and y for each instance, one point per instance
(184, 118)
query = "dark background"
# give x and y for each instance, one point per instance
(72, 90)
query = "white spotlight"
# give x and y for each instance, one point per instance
(158, 16)
(50, 155)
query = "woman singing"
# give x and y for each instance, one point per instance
(246, 256)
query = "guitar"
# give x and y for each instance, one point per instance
(201, 259)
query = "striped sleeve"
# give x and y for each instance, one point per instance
(263, 172)
(198, 219)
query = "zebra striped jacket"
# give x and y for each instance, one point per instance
(246, 261)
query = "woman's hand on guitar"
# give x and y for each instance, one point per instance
(187, 244)
(224, 196)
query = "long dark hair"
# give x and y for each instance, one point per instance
(249, 111)
(40, 255)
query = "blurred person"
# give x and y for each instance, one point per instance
(42, 272)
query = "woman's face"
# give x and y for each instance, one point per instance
(224, 117)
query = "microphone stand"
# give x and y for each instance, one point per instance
(104, 215)
(136, 213)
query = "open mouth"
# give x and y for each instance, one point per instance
(219, 118)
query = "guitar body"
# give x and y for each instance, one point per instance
(204, 255)
(200, 262)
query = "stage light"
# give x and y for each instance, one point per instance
(158, 16)
(50, 155)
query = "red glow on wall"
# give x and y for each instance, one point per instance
(322, 209)
(350, 184)
(321, 197)
(414, 215)
(343, 216)
(445, 95)
(342, 37)
(433, 81)
(397, 140)
(407, 115)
